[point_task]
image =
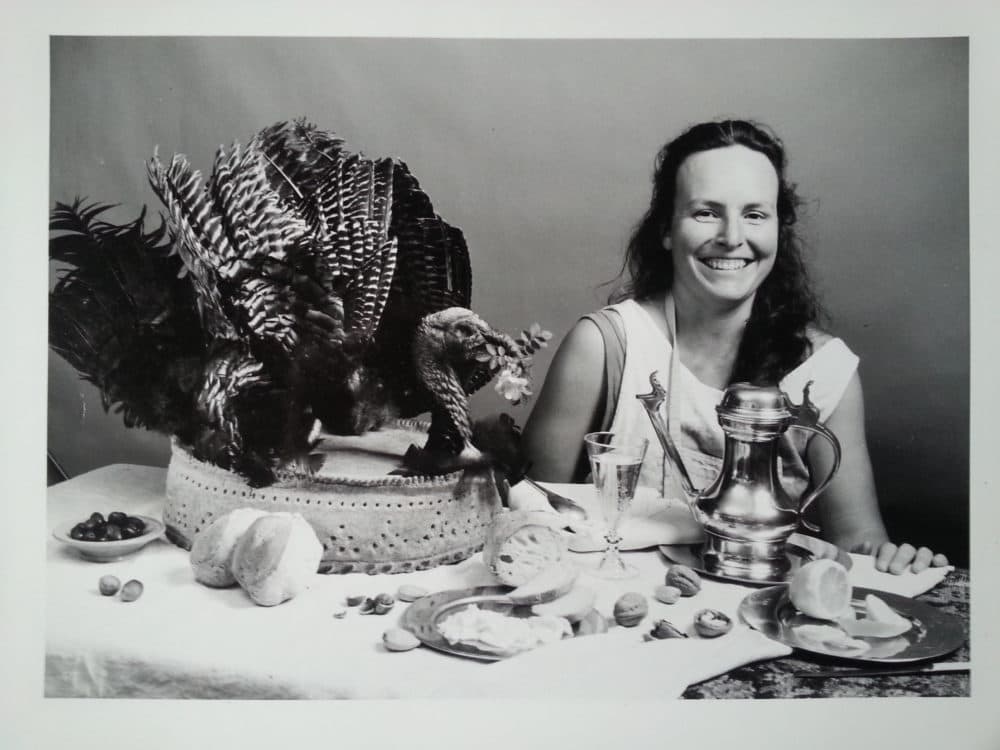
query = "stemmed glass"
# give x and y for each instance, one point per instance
(615, 463)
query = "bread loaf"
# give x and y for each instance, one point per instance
(212, 550)
(276, 558)
(521, 544)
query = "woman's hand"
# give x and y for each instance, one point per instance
(896, 559)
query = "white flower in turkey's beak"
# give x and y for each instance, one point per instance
(512, 387)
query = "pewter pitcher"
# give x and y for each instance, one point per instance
(746, 514)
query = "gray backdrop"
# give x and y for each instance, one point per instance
(541, 152)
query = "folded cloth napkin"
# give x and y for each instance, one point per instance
(653, 521)
(907, 583)
(650, 521)
(617, 665)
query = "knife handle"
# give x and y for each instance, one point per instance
(938, 668)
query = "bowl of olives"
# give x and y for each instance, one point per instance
(106, 539)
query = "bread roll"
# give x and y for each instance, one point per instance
(276, 558)
(212, 550)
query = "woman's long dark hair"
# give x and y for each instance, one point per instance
(775, 340)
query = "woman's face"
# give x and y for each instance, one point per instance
(724, 231)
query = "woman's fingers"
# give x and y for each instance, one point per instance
(884, 556)
(922, 560)
(862, 548)
(892, 559)
(902, 559)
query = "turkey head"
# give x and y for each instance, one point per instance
(447, 357)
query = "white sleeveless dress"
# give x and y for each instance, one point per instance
(647, 349)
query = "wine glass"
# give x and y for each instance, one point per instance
(615, 463)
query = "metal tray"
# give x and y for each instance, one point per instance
(422, 617)
(933, 634)
(800, 550)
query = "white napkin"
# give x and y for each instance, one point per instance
(907, 583)
(651, 521)
(617, 665)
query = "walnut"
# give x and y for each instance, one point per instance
(666, 629)
(630, 609)
(710, 623)
(684, 578)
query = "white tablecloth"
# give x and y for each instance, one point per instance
(182, 639)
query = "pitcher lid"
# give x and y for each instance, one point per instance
(754, 403)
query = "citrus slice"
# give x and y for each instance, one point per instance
(880, 612)
(869, 628)
(820, 589)
(829, 638)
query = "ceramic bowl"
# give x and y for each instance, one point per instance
(114, 550)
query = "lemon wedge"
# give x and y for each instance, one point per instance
(880, 621)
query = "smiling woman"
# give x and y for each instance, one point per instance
(717, 294)
(540, 150)
(724, 232)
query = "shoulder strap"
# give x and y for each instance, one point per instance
(609, 323)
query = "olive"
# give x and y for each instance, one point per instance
(117, 518)
(137, 522)
(128, 532)
(90, 523)
(113, 533)
(96, 518)
(102, 531)
(78, 531)
(133, 530)
(89, 536)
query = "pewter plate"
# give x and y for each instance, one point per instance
(800, 550)
(422, 617)
(933, 633)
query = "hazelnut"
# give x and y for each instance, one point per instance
(398, 639)
(711, 623)
(684, 579)
(355, 599)
(630, 609)
(131, 591)
(667, 594)
(410, 593)
(109, 585)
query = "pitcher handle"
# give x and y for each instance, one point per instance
(807, 418)
(807, 500)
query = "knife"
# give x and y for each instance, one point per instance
(936, 668)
